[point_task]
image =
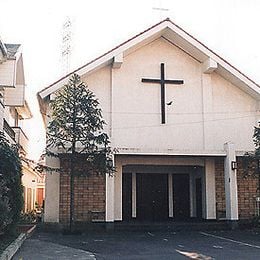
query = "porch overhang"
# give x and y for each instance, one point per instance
(170, 152)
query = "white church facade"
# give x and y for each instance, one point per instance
(180, 118)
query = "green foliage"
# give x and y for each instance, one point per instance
(76, 129)
(251, 160)
(28, 217)
(11, 191)
(256, 139)
(77, 126)
(4, 206)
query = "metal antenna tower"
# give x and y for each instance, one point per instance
(66, 45)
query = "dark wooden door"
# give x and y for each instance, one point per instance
(198, 198)
(181, 196)
(40, 197)
(127, 196)
(152, 197)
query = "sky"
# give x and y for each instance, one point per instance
(228, 27)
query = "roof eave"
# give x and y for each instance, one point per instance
(25, 111)
(164, 27)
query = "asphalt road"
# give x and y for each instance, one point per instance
(143, 245)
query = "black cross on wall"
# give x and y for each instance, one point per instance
(162, 81)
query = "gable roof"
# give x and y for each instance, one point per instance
(174, 34)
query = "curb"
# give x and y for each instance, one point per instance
(15, 245)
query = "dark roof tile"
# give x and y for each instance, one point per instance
(12, 49)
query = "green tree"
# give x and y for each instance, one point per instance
(11, 191)
(76, 128)
(251, 160)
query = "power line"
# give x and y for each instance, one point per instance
(182, 123)
(181, 113)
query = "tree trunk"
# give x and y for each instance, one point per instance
(71, 193)
(72, 169)
(258, 173)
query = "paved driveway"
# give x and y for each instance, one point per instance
(143, 245)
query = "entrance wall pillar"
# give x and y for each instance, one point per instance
(113, 184)
(133, 195)
(110, 200)
(170, 195)
(118, 204)
(230, 183)
(210, 194)
(192, 196)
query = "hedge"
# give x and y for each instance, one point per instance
(11, 190)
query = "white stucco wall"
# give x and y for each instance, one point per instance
(137, 112)
(29, 180)
(235, 115)
(207, 110)
(7, 75)
(100, 83)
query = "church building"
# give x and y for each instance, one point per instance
(180, 117)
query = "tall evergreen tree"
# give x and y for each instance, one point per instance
(77, 128)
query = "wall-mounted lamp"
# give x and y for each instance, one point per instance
(234, 165)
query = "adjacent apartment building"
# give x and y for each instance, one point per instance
(14, 111)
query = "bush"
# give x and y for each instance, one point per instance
(11, 191)
(28, 217)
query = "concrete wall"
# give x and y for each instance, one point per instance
(14, 96)
(29, 181)
(100, 83)
(136, 109)
(234, 115)
(8, 73)
(207, 110)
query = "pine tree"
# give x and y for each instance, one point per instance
(77, 128)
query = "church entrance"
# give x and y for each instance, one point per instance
(152, 197)
(162, 193)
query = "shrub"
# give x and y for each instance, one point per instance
(28, 217)
(11, 192)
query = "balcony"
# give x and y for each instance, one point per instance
(10, 133)
(21, 139)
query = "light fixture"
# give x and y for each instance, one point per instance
(234, 165)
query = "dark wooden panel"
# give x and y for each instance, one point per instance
(199, 198)
(181, 196)
(152, 197)
(127, 196)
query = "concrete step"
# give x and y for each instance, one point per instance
(173, 226)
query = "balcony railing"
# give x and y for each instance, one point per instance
(21, 138)
(8, 129)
